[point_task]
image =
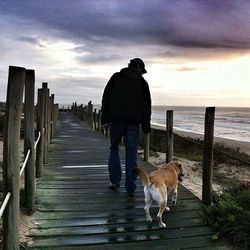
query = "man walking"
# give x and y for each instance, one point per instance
(126, 105)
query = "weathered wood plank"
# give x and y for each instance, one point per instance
(85, 226)
(119, 234)
(42, 217)
(113, 206)
(195, 242)
(90, 200)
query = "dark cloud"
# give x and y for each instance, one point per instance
(185, 24)
(81, 84)
(98, 58)
(31, 40)
(80, 89)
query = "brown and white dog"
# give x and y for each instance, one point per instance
(158, 185)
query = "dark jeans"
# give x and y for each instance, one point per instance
(131, 137)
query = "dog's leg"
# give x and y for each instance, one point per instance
(148, 201)
(175, 194)
(162, 207)
(166, 199)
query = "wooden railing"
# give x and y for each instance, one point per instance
(93, 119)
(35, 151)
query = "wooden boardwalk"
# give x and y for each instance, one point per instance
(75, 209)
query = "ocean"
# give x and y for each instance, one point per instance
(230, 123)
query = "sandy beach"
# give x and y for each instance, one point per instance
(242, 146)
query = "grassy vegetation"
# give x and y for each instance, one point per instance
(229, 215)
(192, 149)
(224, 154)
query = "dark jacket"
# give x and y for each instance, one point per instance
(126, 99)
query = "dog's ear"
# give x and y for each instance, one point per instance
(179, 179)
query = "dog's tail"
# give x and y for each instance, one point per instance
(144, 176)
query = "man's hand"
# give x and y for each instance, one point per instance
(146, 128)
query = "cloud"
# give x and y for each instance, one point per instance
(98, 58)
(185, 24)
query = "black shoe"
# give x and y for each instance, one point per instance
(113, 186)
(130, 194)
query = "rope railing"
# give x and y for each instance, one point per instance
(25, 162)
(7, 197)
(38, 139)
(4, 205)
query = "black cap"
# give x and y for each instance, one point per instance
(138, 61)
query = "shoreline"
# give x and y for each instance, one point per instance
(240, 146)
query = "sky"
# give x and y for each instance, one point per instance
(197, 52)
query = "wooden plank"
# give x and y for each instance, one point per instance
(86, 226)
(196, 242)
(105, 197)
(98, 198)
(113, 204)
(124, 235)
(43, 216)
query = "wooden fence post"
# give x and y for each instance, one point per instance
(11, 158)
(90, 114)
(40, 127)
(49, 119)
(52, 129)
(54, 118)
(75, 113)
(81, 112)
(94, 119)
(99, 121)
(170, 137)
(45, 153)
(29, 138)
(208, 156)
(56, 111)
